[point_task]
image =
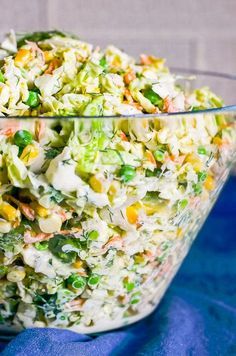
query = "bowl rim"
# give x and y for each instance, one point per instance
(174, 70)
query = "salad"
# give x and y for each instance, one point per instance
(97, 213)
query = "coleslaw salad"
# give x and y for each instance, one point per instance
(97, 213)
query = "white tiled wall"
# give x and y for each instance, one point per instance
(190, 33)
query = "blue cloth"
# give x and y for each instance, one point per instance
(196, 317)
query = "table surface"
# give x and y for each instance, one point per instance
(197, 316)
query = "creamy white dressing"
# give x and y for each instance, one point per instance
(61, 173)
(44, 262)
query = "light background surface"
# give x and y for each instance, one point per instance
(189, 33)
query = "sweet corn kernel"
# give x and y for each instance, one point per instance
(195, 162)
(150, 209)
(40, 210)
(139, 259)
(8, 212)
(27, 113)
(144, 123)
(34, 113)
(78, 264)
(180, 233)
(209, 183)
(96, 184)
(217, 141)
(22, 57)
(48, 56)
(132, 214)
(114, 188)
(29, 153)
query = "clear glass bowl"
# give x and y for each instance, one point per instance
(144, 228)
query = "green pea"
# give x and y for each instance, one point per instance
(41, 246)
(76, 281)
(127, 173)
(62, 317)
(153, 97)
(202, 151)
(159, 155)
(129, 286)
(202, 176)
(93, 280)
(33, 99)
(197, 188)
(103, 62)
(182, 204)
(2, 79)
(22, 138)
(135, 298)
(93, 235)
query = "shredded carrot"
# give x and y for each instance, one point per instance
(135, 105)
(145, 59)
(168, 105)
(166, 266)
(9, 127)
(128, 96)
(150, 157)
(129, 77)
(178, 159)
(123, 136)
(55, 63)
(27, 211)
(115, 242)
(36, 50)
(75, 305)
(40, 127)
(62, 215)
(150, 255)
(74, 230)
(30, 238)
(7, 132)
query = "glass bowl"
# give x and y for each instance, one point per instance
(128, 216)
